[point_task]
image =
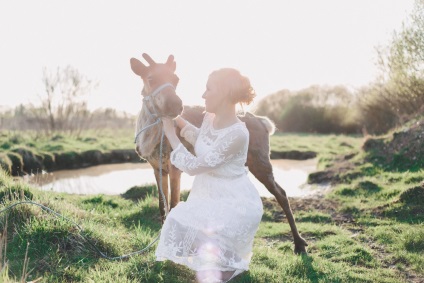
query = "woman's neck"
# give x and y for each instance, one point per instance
(226, 116)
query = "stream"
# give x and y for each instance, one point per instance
(115, 179)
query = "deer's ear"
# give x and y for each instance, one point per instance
(149, 59)
(171, 63)
(138, 67)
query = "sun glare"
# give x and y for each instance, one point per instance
(277, 44)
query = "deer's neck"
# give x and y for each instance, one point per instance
(149, 138)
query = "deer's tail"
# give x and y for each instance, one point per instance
(269, 125)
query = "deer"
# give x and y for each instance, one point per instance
(160, 100)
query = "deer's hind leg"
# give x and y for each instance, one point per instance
(260, 166)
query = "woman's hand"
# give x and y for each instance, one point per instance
(169, 129)
(180, 122)
(168, 126)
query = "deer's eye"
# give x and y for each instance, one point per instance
(150, 80)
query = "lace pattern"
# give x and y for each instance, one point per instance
(190, 133)
(214, 150)
(215, 227)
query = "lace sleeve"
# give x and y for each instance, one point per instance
(190, 133)
(224, 151)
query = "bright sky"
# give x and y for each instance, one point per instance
(278, 44)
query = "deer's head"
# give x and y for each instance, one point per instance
(160, 82)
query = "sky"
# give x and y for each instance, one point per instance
(278, 44)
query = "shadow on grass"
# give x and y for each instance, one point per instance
(363, 188)
(396, 161)
(148, 217)
(138, 193)
(100, 201)
(411, 214)
(313, 274)
(305, 271)
(408, 208)
(160, 271)
(52, 249)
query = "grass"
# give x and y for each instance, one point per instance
(369, 228)
(14, 146)
(87, 140)
(329, 147)
(58, 251)
(24, 153)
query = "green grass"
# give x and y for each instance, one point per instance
(87, 140)
(120, 224)
(30, 152)
(328, 147)
(369, 228)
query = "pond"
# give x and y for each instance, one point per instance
(115, 179)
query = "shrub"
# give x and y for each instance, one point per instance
(5, 163)
(17, 163)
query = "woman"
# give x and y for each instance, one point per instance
(213, 231)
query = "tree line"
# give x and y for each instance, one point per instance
(396, 95)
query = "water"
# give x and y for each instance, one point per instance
(116, 179)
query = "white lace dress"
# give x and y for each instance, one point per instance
(215, 227)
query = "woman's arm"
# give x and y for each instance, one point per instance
(180, 121)
(222, 152)
(188, 131)
(169, 129)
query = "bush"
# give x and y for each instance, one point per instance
(317, 109)
(5, 163)
(17, 163)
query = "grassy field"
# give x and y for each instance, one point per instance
(326, 145)
(24, 153)
(88, 140)
(368, 228)
(19, 150)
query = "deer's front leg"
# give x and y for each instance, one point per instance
(175, 184)
(164, 182)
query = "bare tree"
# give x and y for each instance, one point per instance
(63, 104)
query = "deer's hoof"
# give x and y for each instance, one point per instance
(300, 246)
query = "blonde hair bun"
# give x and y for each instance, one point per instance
(235, 84)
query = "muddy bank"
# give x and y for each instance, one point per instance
(400, 151)
(23, 161)
(293, 154)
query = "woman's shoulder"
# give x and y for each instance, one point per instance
(238, 129)
(241, 128)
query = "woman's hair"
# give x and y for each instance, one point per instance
(236, 85)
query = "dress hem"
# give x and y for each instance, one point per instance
(181, 262)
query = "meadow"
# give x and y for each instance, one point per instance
(367, 228)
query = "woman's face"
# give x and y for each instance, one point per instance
(213, 96)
